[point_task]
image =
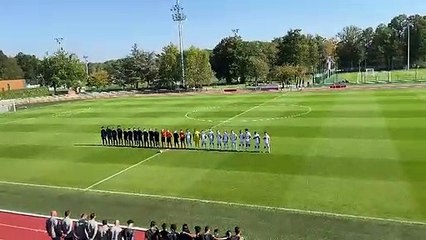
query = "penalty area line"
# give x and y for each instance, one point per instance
(122, 171)
(235, 204)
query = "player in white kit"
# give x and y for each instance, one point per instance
(225, 140)
(234, 138)
(211, 139)
(203, 139)
(267, 142)
(256, 139)
(248, 139)
(219, 139)
(188, 137)
(242, 140)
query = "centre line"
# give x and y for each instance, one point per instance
(122, 171)
(246, 111)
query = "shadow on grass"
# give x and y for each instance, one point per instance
(168, 149)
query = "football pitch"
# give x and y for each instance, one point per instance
(344, 165)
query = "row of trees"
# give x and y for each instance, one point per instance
(292, 57)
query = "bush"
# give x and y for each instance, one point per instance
(25, 93)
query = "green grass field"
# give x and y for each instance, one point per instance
(414, 75)
(358, 153)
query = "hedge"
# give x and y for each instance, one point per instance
(25, 93)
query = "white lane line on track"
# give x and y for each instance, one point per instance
(246, 111)
(122, 171)
(22, 228)
(252, 206)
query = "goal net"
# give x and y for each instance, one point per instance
(7, 106)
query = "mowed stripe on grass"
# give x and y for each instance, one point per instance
(353, 153)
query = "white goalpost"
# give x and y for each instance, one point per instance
(7, 106)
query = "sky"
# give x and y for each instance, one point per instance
(106, 29)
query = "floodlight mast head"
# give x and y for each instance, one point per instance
(59, 40)
(179, 17)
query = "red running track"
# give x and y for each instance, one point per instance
(19, 226)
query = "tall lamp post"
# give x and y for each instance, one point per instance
(179, 17)
(408, 45)
(86, 61)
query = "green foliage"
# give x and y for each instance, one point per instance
(63, 70)
(9, 68)
(30, 65)
(25, 93)
(198, 69)
(98, 79)
(169, 69)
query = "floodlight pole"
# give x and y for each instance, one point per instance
(179, 17)
(59, 40)
(86, 61)
(408, 48)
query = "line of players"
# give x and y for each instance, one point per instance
(185, 139)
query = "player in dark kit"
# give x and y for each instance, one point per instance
(103, 136)
(145, 138)
(140, 138)
(176, 139)
(135, 137)
(114, 137)
(120, 135)
(151, 138)
(157, 138)
(130, 136)
(126, 137)
(109, 135)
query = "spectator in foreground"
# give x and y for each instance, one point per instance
(52, 226)
(92, 227)
(104, 231)
(207, 234)
(67, 226)
(153, 233)
(164, 234)
(185, 234)
(129, 232)
(173, 235)
(237, 235)
(80, 228)
(197, 235)
(116, 231)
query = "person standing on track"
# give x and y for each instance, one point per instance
(135, 137)
(151, 138)
(163, 138)
(67, 226)
(92, 227)
(80, 228)
(248, 139)
(53, 227)
(211, 139)
(129, 232)
(140, 137)
(116, 231)
(109, 135)
(256, 139)
(219, 138)
(188, 136)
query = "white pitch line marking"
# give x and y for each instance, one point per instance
(122, 171)
(246, 111)
(22, 228)
(253, 206)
